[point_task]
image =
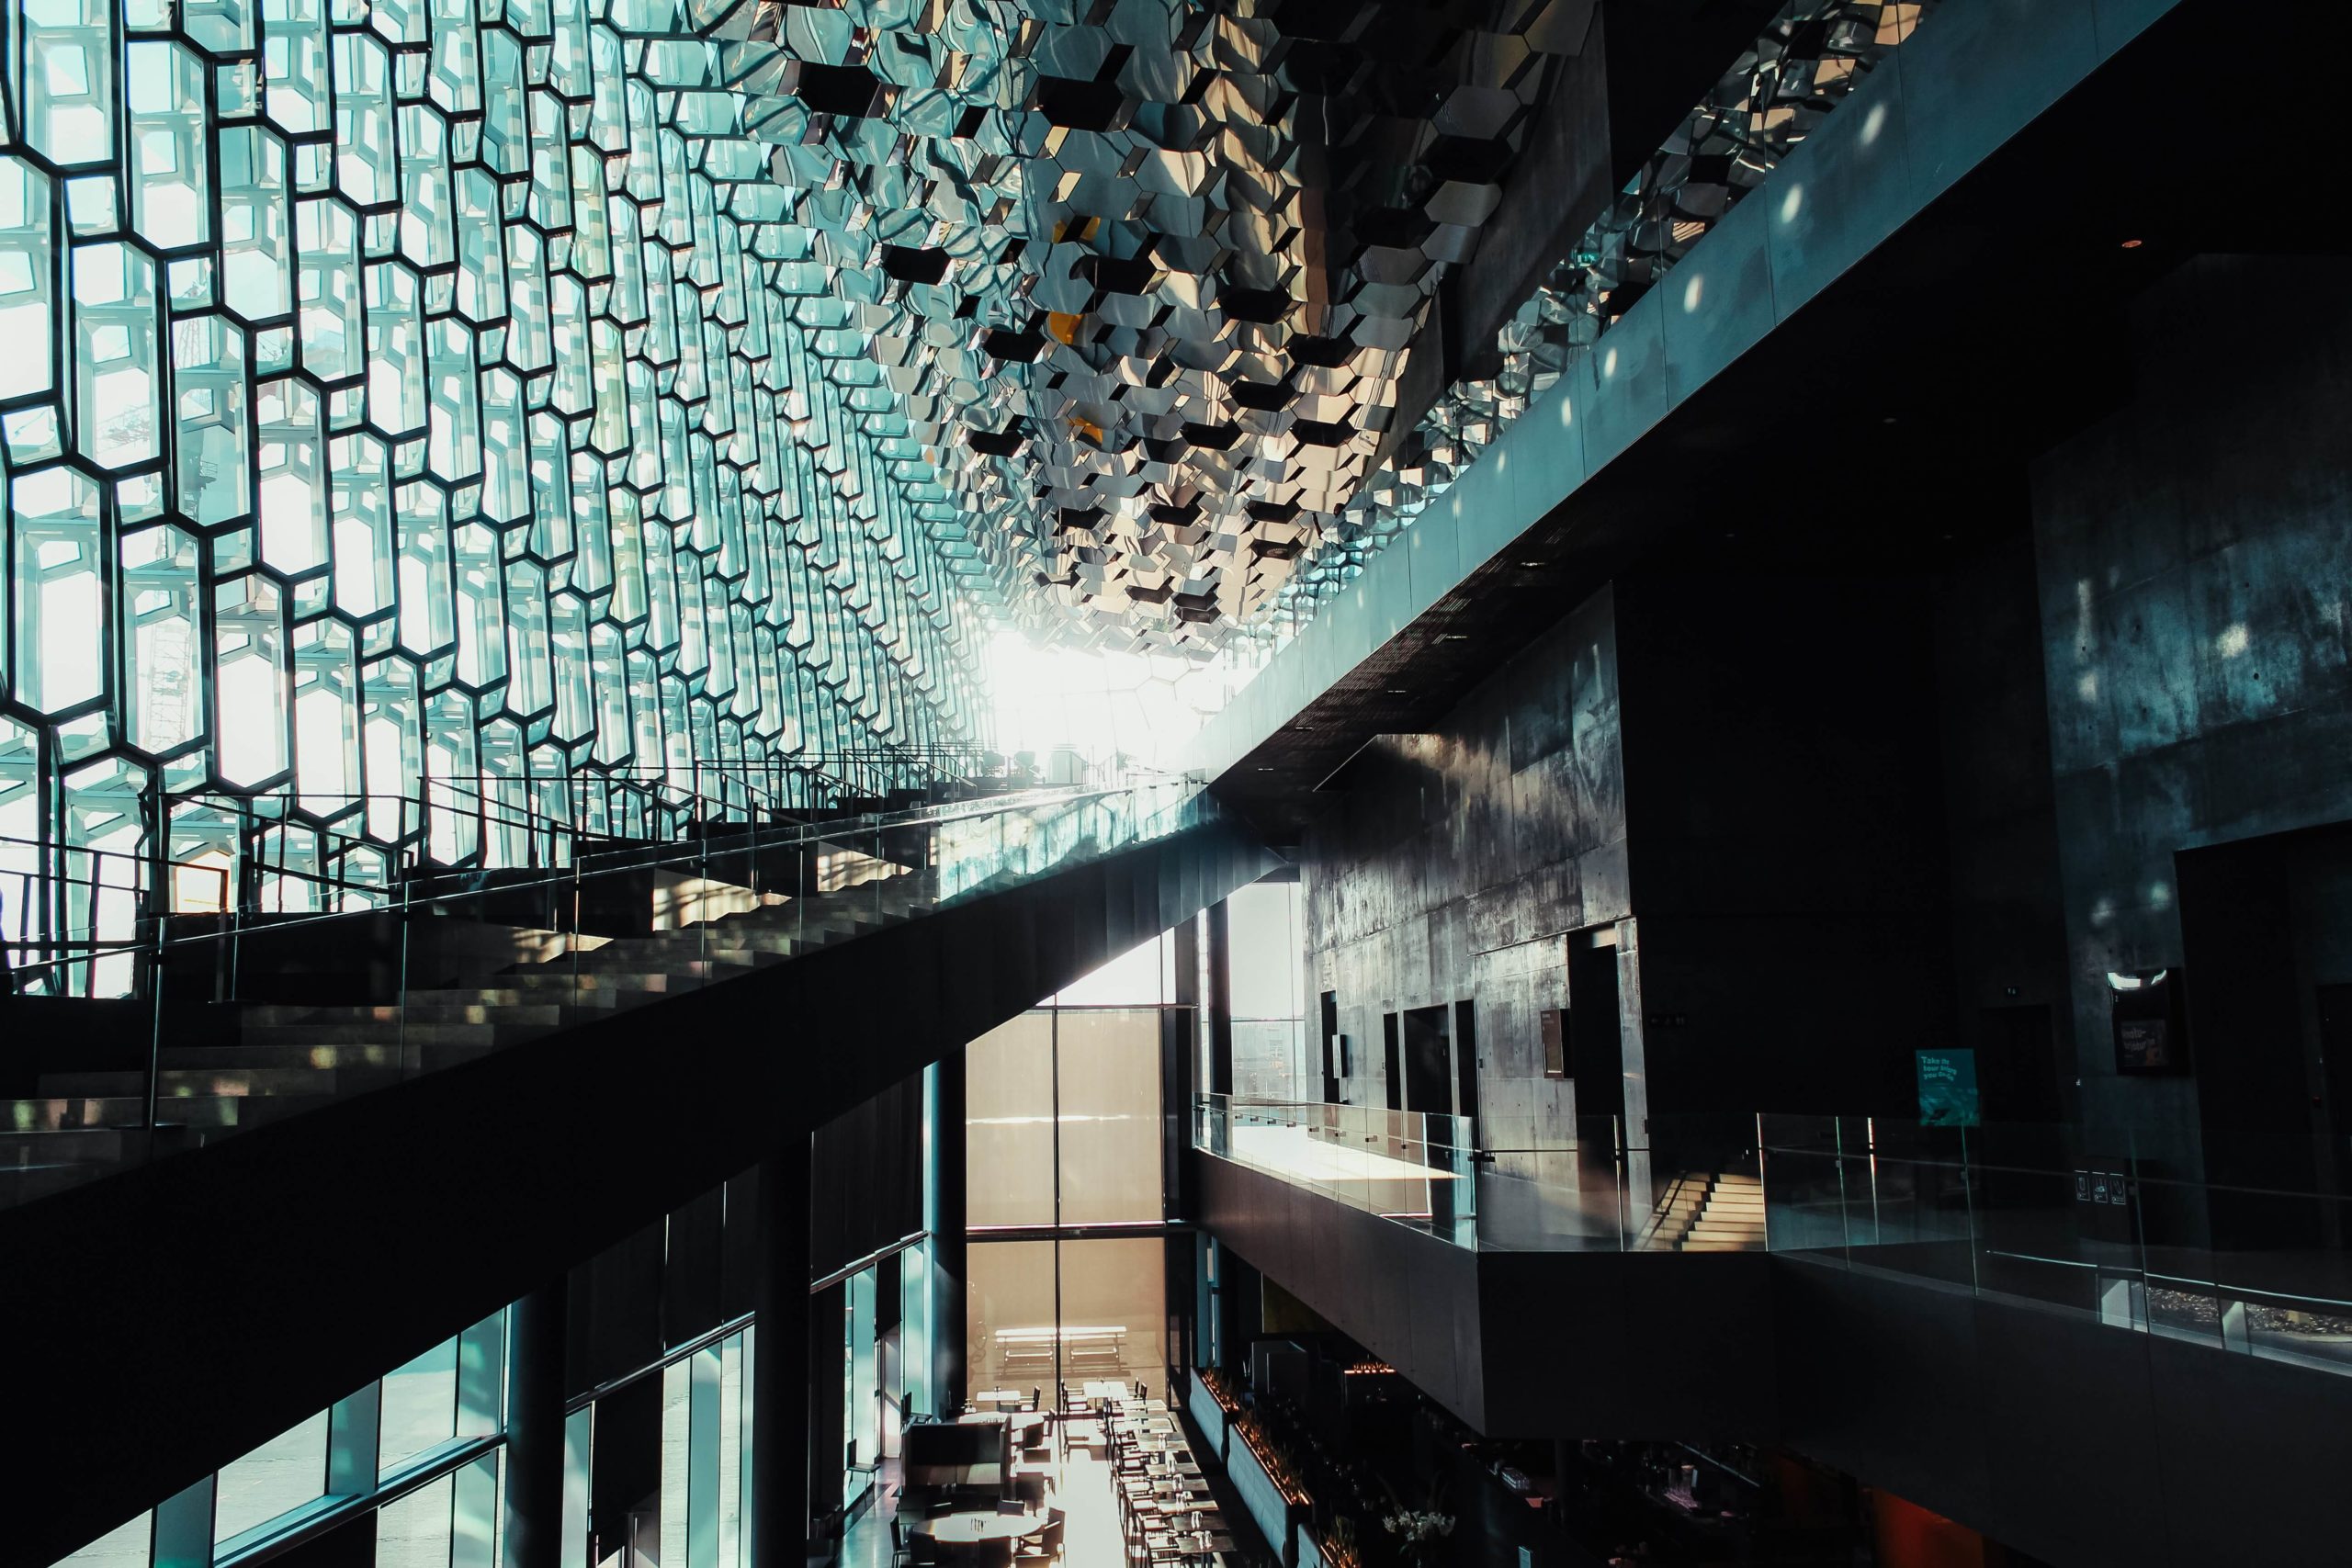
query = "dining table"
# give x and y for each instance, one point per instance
(972, 1529)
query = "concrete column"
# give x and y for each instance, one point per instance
(780, 1363)
(1219, 1000)
(944, 1216)
(535, 1427)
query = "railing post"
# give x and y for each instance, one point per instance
(400, 988)
(158, 898)
(248, 877)
(155, 1033)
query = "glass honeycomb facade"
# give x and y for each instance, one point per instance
(403, 405)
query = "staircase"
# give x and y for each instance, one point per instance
(703, 915)
(1707, 1212)
(288, 1059)
(1730, 1217)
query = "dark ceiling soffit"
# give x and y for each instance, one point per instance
(1340, 779)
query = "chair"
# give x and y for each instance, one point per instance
(1030, 1489)
(926, 1552)
(996, 1552)
(1046, 1544)
(900, 1552)
(1013, 1506)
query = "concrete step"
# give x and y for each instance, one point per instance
(256, 1082)
(312, 1055)
(465, 1005)
(68, 1114)
(395, 1031)
(660, 953)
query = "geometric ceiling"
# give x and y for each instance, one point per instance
(1142, 275)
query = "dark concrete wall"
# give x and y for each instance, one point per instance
(1741, 777)
(2008, 908)
(1785, 817)
(1453, 863)
(2194, 551)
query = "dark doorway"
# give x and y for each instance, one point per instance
(1429, 1062)
(2335, 1073)
(1596, 1038)
(1393, 1075)
(2016, 1066)
(1465, 1063)
(1331, 1047)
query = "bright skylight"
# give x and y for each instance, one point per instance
(1106, 708)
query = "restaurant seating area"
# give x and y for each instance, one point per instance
(1168, 1513)
(1103, 1478)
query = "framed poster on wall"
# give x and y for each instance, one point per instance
(2146, 1013)
(1948, 1096)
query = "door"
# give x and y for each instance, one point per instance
(2016, 1066)
(1392, 1076)
(1331, 1047)
(1465, 1063)
(1429, 1062)
(2335, 1075)
(1596, 1037)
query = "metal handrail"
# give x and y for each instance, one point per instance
(807, 833)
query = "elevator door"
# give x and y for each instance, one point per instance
(2017, 1065)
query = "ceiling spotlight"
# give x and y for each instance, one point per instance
(2134, 244)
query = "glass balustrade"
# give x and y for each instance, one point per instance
(1503, 1184)
(2104, 1225)
(249, 977)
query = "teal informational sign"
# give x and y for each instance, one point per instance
(1948, 1088)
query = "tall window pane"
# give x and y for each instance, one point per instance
(1109, 1064)
(420, 1406)
(1009, 1108)
(1269, 973)
(1115, 1309)
(283, 1474)
(414, 1531)
(122, 1547)
(1009, 1315)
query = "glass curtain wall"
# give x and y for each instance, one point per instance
(1063, 1107)
(706, 1455)
(428, 1433)
(381, 443)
